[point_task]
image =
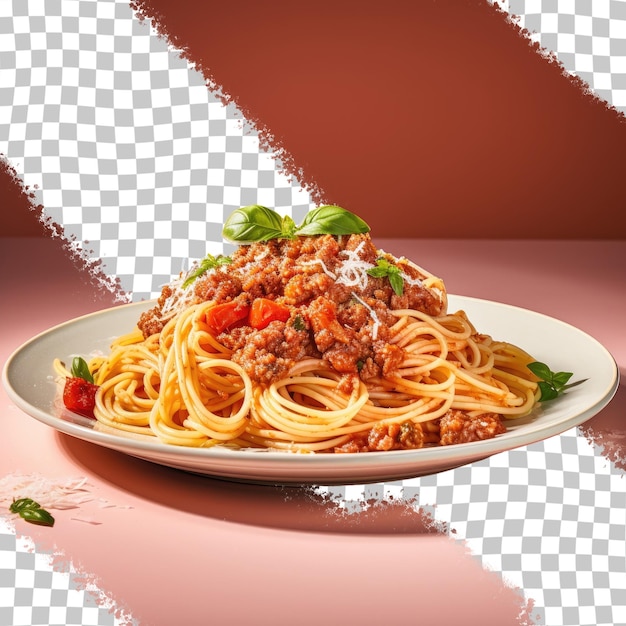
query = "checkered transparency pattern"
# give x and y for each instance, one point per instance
(129, 150)
(588, 37)
(32, 592)
(550, 517)
(139, 161)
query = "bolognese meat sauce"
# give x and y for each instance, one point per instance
(336, 311)
(331, 309)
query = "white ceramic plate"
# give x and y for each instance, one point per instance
(29, 381)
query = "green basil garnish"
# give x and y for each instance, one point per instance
(21, 504)
(31, 511)
(256, 223)
(384, 268)
(37, 516)
(552, 384)
(80, 369)
(298, 322)
(208, 263)
(331, 220)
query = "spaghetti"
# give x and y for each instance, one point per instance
(295, 344)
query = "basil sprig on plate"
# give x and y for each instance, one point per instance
(552, 384)
(255, 223)
(80, 369)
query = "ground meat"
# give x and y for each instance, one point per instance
(417, 297)
(346, 322)
(269, 354)
(345, 358)
(354, 316)
(307, 286)
(324, 247)
(221, 286)
(384, 316)
(388, 357)
(368, 369)
(385, 437)
(327, 331)
(458, 427)
(151, 322)
(340, 293)
(272, 283)
(368, 251)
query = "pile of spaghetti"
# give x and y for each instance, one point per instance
(310, 343)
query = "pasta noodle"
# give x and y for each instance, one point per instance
(335, 373)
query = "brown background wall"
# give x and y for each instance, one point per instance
(428, 119)
(19, 217)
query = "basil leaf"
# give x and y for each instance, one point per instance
(289, 227)
(37, 516)
(331, 220)
(574, 384)
(541, 370)
(384, 268)
(31, 511)
(298, 322)
(80, 369)
(256, 223)
(396, 281)
(208, 263)
(548, 392)
(552, 384)
(21, 504)
(378, 272)
(560, 379)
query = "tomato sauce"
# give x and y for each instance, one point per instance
(282, 300)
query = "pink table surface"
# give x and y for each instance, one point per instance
(183, 549)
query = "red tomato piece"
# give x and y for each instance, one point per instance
(223, 316)
(79, 395)
(264, 311)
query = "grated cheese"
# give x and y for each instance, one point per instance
(353, 271)
(246, 268)
(411, 281)
(324, 268)
(50, 493)
(178, 299)
(372, 315)
(69, 493)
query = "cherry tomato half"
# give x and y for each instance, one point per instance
(223, 316)
(263, 311)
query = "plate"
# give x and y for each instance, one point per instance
(29, 380)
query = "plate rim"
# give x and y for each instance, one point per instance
(314, 464)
